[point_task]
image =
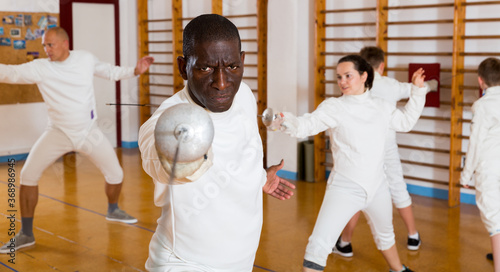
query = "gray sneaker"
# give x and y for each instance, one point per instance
(21, 240)
(120, 215)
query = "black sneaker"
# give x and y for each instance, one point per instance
(414, 244)
(406, 269)
(489, 256)
(342, 251)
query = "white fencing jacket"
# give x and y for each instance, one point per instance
(217, 218)
(483, 153)
(358, 126)
(390, 89)
(67, 87)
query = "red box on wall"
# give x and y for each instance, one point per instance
(432, 71)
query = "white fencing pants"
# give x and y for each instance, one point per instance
(54, 143)
(488, 200)
(394, 174)
(343, 198)
(163, 259)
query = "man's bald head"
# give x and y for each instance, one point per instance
(60, 32)
(55, 41)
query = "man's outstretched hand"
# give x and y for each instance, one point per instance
(276, 186)
(143, 65)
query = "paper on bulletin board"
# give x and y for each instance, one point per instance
(432, 71)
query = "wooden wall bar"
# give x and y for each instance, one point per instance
(457, 86)
(420, 6)
(177, 28)
(457, 97)
(217, 7)
(480, 3)
(262, 6)
(319, 87)
(142, 30)
(347, 10)
(381, 25)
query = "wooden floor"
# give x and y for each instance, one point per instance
(72, 233)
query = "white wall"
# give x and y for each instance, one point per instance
(85, 33)
(22, 124)
(49, 6)
(128, 57)
(282, 63)
(20, 127)
(290, 71)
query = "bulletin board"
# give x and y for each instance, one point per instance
(21, 42)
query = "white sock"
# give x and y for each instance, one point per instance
(343, 244)
(414, 236)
